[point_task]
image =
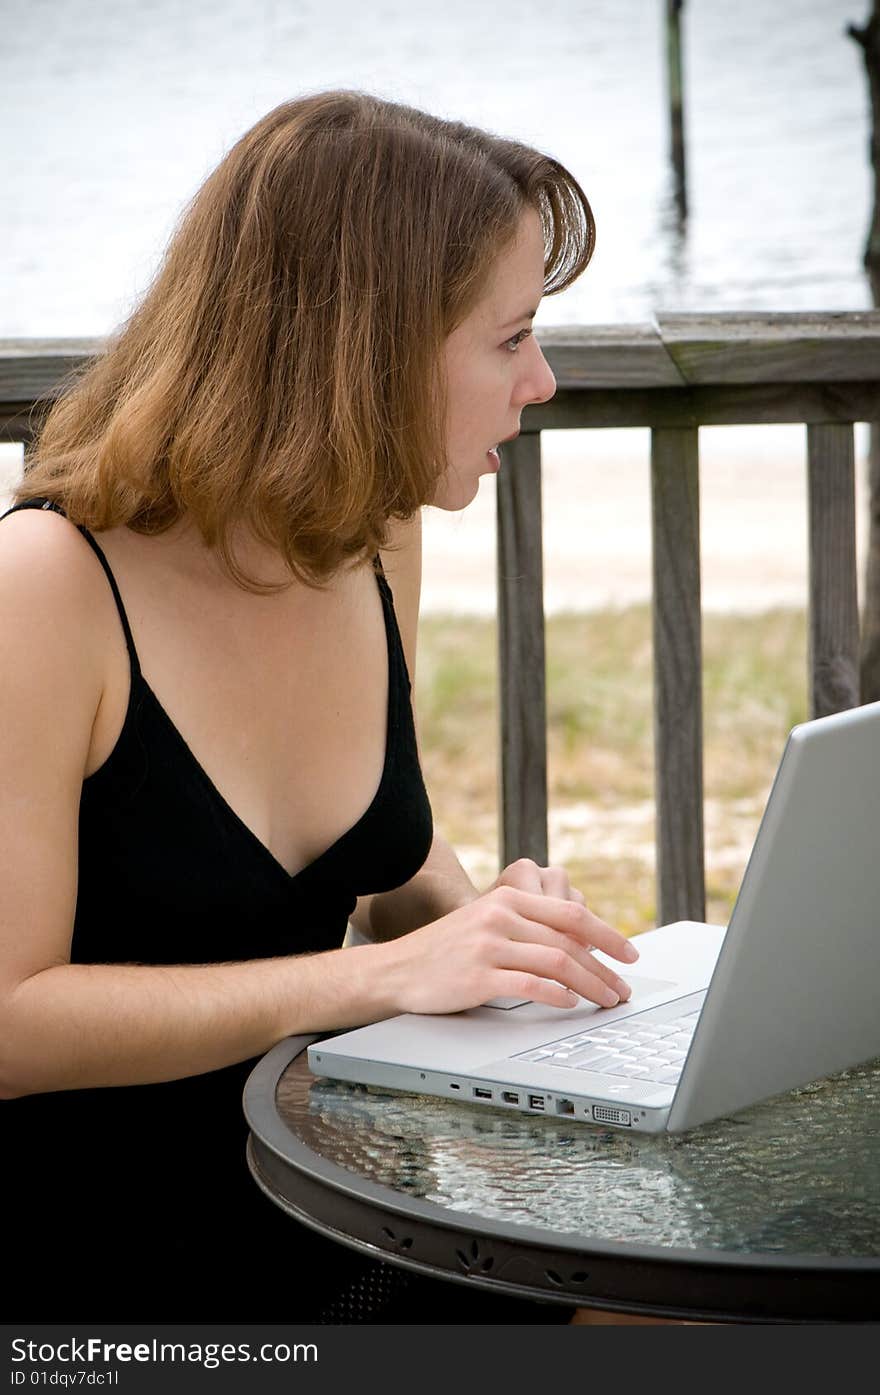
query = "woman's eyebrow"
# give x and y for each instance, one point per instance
(526, 315)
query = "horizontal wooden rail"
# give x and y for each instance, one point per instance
(672, 375)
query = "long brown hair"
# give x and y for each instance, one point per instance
(282, 369)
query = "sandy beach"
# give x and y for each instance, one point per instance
(597, 541)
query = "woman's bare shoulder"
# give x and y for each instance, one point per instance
(53, 592)
(44, 545)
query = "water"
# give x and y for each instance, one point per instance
(114, 112)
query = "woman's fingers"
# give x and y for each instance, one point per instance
(555, 882)
(528, 932)
(526, 875)
(558, 966)
(516, 983)
(569, 918)
(510, 942)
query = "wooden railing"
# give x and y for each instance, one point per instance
(673, 375)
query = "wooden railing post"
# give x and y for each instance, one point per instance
(521, 666)
(678, 703)
(834, 606)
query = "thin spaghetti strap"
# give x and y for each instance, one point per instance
(126, 628)
(392, 628)
(382, 581)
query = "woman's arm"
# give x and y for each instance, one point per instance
(441, 885)
(70, 1026)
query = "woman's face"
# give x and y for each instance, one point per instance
(494, 367)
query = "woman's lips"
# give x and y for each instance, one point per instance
(493, 453)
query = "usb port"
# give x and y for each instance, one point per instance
(482, 1094)
(509, 1097)
(536, 1101)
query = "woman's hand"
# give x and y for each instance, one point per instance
(510, 942)
(526, 875)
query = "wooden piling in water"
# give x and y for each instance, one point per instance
(676, 102)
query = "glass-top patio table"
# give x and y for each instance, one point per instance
(770, 1215)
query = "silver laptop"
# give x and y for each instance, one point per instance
(718, 1019)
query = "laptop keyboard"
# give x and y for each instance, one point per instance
(653, 1051)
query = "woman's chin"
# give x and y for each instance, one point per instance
(455, 494)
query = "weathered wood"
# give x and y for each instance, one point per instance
(522, 673)
(19, 426)
(869, 664)
(574, 409)
(869, 658)
(757, 404)
(678, 701)
(834, 611)
(773, 348)
(34, 368)
(868, 37)
(676, 350)
(608, 356)
(676, 102)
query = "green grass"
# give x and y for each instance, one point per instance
(600, 744)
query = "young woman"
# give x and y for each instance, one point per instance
(209, 590)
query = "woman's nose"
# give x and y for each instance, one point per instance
(539, 384)
(548, 386)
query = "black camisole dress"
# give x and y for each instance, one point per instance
(135, 1203)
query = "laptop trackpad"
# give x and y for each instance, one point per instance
(641, 988)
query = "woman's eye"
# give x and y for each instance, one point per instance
(513, 344)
